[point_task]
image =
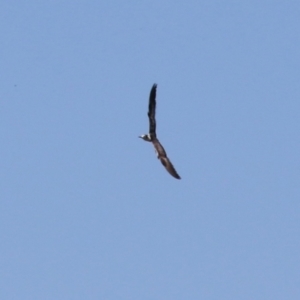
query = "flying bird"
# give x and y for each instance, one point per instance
(151, 136)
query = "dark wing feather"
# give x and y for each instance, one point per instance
(169, 167)
(162, 155)
(159, 148)
(151, 111)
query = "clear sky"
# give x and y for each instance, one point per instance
(86, 209)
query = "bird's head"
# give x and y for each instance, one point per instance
(145, 137)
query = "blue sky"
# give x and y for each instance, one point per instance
(88, 212)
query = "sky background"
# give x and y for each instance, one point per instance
(86, 209)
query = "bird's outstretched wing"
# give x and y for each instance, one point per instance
(169, 167)
(162, 155)
(151, 111)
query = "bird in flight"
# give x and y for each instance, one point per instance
(151, 136)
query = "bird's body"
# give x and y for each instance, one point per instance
(151, 136)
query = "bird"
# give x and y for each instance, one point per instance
(151, 136)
